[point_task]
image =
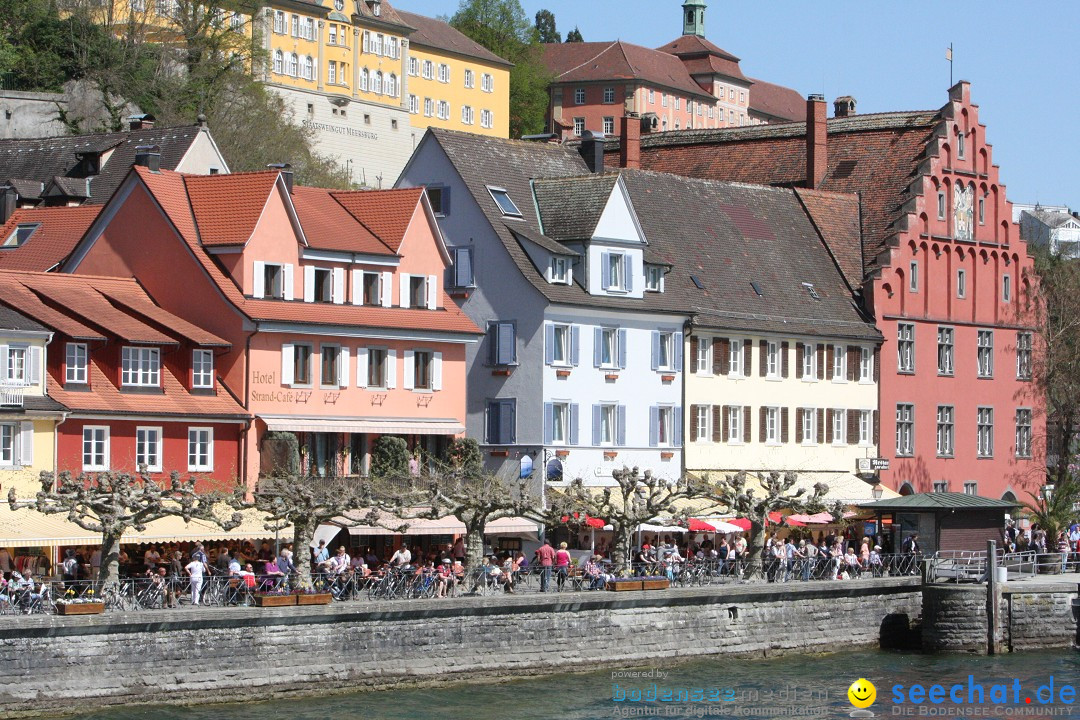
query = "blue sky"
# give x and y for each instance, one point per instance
(1021, 58)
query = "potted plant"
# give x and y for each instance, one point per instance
(307, 595)
(278, 597)
(654, 582)
(70, 604)
(624, 584)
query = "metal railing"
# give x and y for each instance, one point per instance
(12, 395)
(971, 565)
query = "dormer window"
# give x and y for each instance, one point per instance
(654, 278)
(502, 199)
(812, 290)
(417, 291)
(272, 280)
(75, 363)
(140, 367)
(616, 268)
(202, 369)
(324, 285)
(560, 271)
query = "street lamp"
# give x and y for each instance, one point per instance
(877, 491)
(1048, 491)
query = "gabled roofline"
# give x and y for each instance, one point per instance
(290, 210)
(204, 130)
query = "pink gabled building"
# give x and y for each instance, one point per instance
(333, 303)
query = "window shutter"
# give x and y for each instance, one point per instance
(717, 423)
(287, 282)
(391, 369)
(287, 364)
(821, 361)
(343, 368)
(748, 358)
(507, 347)
(821, 426)
(677, 343)
(784, 369)
(432, 287)
(694, 351)
(726, 432)
(598, 340)
(463, 270)
(654, 426)
(493, 422)
(33, 371)
(877, 369)
(357, 287)
(605, 264)
(596, 411)
(655, 350)
(763, 358)
(25, 454)
(854, 359)
(622, 349)
(507, 422)
(258, 280)
(830, 362)
(746, 423)
(493, 343)
(800, 431)
(694, 414)
(575, 345)
(4, 360)
(784, 434)
(338, 293)
(628, 272)
(361, 367)
(800, 352)
(549, 422)
(877, 428)
(762, 422)
(721, 356)
(410, 370)
(386, 289)
(436, 371)
(309, 284)
(403, 290)
(828, 422)
(620, 422)
(574, 413)
(549, 344)
(852, 425)
(677, 433)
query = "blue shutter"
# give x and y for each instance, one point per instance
(620, 437)
(575, 345)
(655, 350)
(463, 272)
(597, 410)
(622, 349)
(628, 272)
(574, 413)
(598, 351)
(507, 422)
(507, 343)
(493, 422)
(654, 426)
(493, 344)
(677, 432)
(677, 341)
(605, 264)
(549, 343)
(549, 421)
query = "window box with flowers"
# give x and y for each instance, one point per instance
(70, 604)
(275, 598)
(307, 595)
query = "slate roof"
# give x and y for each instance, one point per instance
(434, 33)
(777, 101)
(59, 231)
(875, 155)
(938, 501)
(11, 319)
(618, 60)
(40, 403)
(42, 159)
(564, 221)
(1051, 218)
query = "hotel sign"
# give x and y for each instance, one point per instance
(871, 465)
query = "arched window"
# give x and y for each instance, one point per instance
(309, 68)
(376, 85)
(391, 85)
(364, 75)
(278, 62)
(294, 64)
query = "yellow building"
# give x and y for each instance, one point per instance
(28, 417)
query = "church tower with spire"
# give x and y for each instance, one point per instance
(694, 18)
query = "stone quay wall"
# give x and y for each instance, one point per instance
(217, 655)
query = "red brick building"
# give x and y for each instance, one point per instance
(937, 261)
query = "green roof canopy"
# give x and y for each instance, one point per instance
(928, 502)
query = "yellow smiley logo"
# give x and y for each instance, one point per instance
(862, 693)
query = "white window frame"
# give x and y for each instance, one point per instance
(866, 365)
(961, 283)
(468, 115)
(444, 73)
(984, 354)
(941, 486)
(579, 96)
(772, 360)
(704, 422)
(984, 432)
(735, 420)
(487, 82)
(905, 429)
(809, 362)
(609, 340)
(429, 69)
(487, 119)
(202, 369)
(195, 439)
(609, 420)
(560, 411)
(905, 348)
(665, 426)
(772, 426)
(609, 125)
(97, 463)
(443, 110)
(840, 363)
(335, 381)
(654, 278)
(946, 431)
(579, 126)
(1023, 433)
(609, 95)
(946, 344)
(9, 431)
(1024, 341)
(140, 366)
(381, 382)
(560, 270)
(666, 348)
(735, 358)
(560, 335)
(143, 437)
(15, 368)
(615, 271)
(809, 426)
(76, 363)
(866, 428)
(839, 427)
(470, 78)
(703, 361)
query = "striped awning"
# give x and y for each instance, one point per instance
(392, 426)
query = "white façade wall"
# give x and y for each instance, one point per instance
(636, 387)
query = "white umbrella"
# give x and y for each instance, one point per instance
(724, 527)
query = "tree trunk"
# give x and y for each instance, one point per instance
(755, 551)
(303, 532)
(109, 571)
(622, 552)
(474, 548)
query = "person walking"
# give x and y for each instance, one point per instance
(546, 555)
(562, 565)
(195, 570)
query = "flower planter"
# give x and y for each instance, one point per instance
(275, 600)
(611, 377)
(562, 373)
(562, 453)
(623, 585)
(313, 599)
(666, 455)
(610, 455)
(655, 584)
(667, 378)
(88, 608)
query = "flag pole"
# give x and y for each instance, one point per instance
(949, 57)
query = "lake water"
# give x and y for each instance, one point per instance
(793, 686)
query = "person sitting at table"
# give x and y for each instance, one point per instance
(273, 575)
(851, 563)
(594, 574)
(339, 563)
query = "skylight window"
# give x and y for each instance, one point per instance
(502, 199)
(21, 234)
(697, 281)
(812, 290)
(757, 288)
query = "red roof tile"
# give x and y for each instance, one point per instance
(702, 57)
(329, 226)
(448, 318)
(387, 213)
(779, 103)
(618, 60)
(228, 207)
(59, 231)
(836, 217)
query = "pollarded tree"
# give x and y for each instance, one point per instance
(635, 499)
(776, 492)
(113, 503)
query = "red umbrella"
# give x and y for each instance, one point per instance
(794, 523)
(741, 522)
(594, 522)
(700, 526)
(775, 518)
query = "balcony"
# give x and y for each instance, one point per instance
(12, 395)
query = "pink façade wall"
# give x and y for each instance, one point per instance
(935, 301)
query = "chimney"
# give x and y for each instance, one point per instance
(630, 147)
(9, 201)
(141, 122)
(817, 156)
(149, 157)
(844, 106)
(286, 173)
(592, 150)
